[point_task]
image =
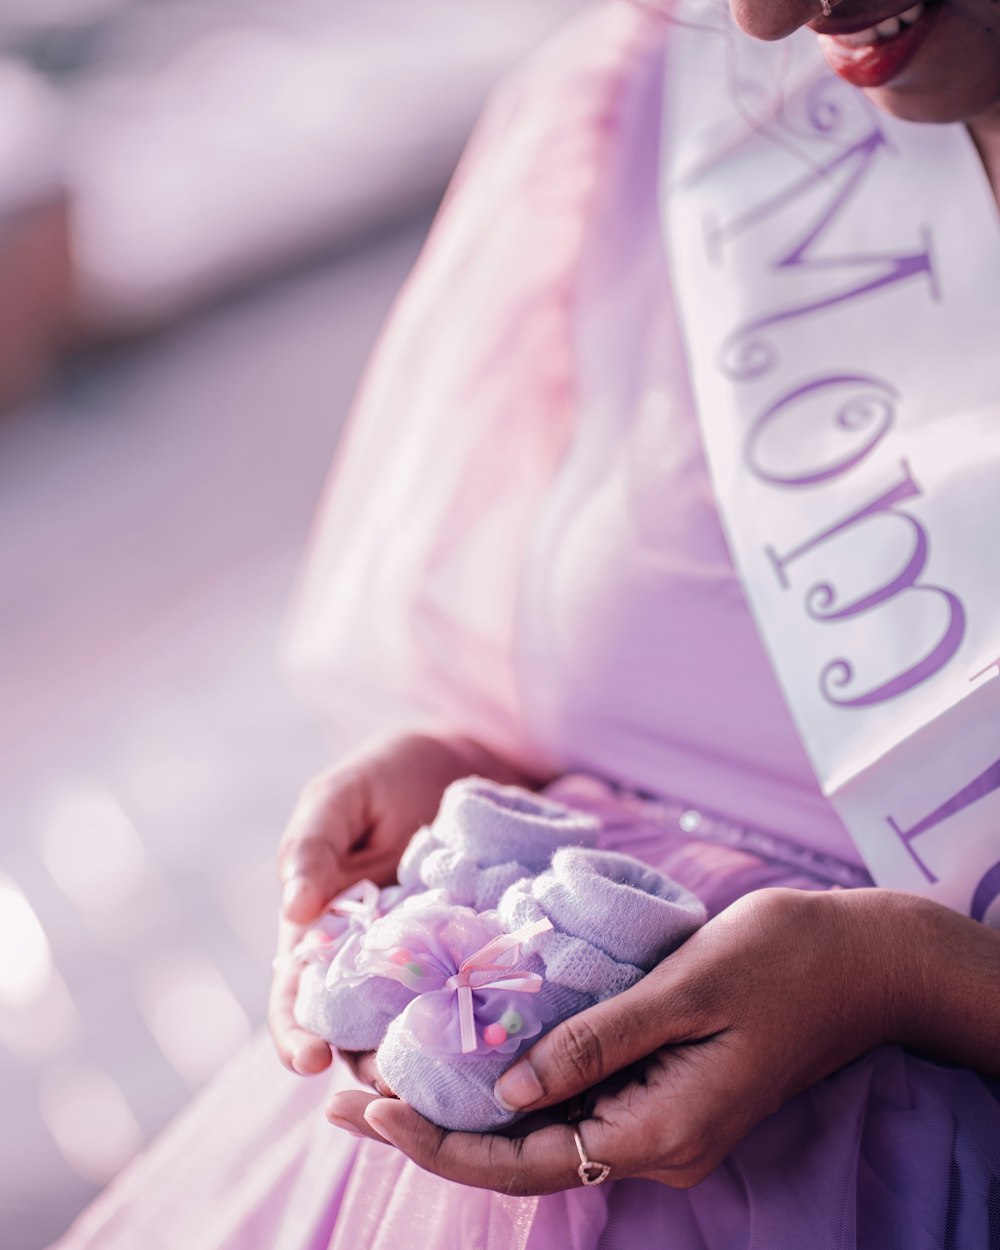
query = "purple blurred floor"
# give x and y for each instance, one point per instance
(152, 514)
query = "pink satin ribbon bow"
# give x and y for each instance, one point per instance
(480, 971)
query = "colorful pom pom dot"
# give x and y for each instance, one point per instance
(512, 1022)
(414, 969)
(401, 957)
(322, 939)
(494, 1035)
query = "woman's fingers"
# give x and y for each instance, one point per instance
(585, 1049)
(540, 1163)
(346, 1110)
(300, 1051)
(665, 1125)
(329, 821)
(362, 1064)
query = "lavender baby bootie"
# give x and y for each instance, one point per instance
(484, 838)
(330, 1001)
(486, 986)
(487, 836)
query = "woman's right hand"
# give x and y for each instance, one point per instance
(354, 821)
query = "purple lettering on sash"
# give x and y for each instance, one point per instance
(907, 488)
(853, 415)
(985, 892)
(986, 782)
(821, 600)
(746, 353)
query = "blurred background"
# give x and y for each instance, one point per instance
(206, 208)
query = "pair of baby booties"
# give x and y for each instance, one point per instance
(506, 920)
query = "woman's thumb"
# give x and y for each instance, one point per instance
(577, 1054)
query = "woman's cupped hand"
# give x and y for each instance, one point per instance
(351, 822)
(773, 994)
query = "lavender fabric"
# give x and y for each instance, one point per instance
(609, 920)
(348, 1015)
(333, 1001)
(487, 836)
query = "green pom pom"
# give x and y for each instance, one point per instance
(512, 1022)
(414, 969)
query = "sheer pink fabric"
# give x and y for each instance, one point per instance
(520, 535)
(412, 583)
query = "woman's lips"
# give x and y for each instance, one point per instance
(874, 56)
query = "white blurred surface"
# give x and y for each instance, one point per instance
(31, 137)
(25, 959)
(218, 138)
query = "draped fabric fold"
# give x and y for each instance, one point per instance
(410, 595)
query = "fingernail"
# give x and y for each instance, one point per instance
(518, 1088)
(346, 1125)
(294, 889)
(373, 1115)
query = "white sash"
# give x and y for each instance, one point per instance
(838, 274)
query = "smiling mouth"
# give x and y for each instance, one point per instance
(874, 55)
(885, 30)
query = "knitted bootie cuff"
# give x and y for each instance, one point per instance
(480, 825)
(618, 905)
(568, 960)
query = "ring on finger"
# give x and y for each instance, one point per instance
(590, 1171)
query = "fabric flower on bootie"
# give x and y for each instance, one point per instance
(588, 928)
(487, 836)
(331, 1001)
(470, 994)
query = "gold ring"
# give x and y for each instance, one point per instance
(590, 1171)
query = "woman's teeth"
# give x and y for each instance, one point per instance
(888, 29)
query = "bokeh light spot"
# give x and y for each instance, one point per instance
(90, 1121)
(92, 850)
(25, 959)
(193, 1015)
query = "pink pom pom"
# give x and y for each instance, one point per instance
(400, 957)
(494, 1035)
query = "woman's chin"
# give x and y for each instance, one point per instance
(921, 106)
(965, 102)
(954, 76)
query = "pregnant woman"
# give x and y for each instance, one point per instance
(676, 467)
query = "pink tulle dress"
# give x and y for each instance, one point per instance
(521, 537)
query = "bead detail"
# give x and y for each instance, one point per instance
(512, 1022)
(494, 1034)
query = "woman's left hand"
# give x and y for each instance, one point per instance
(772, 995)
